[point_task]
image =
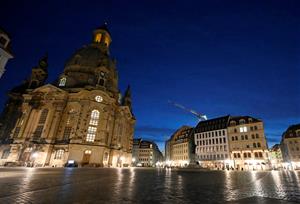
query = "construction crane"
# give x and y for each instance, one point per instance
(200, 116)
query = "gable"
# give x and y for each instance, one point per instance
(49, 88)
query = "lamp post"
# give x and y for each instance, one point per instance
(133, 161)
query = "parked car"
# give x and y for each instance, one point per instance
(71, 163)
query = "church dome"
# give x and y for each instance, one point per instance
(88, 58)
(91, 66)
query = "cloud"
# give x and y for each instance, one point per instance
(157, 134)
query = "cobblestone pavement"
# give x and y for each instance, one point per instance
(136, 185)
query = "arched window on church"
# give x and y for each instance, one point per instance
(101, 79)
(92, 129)
(43, 116)
(98, 38)
(42, 120)
(62, 81)
(101, 82)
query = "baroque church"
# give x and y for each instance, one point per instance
(81, 119)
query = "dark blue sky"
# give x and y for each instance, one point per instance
(217, 57)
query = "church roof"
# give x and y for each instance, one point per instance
(103, 27)
(88, 58)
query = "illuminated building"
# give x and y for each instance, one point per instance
(212, 144)
(290, 147)
(5, 53)
(275, 157)
(168, 150)
(247, 143)
(180, 147)
(231, 142)
(81, 118)
(145, 153)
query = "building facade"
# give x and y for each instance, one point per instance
(5, 52)
(290, 147)
(145, 153)
(80, 119)
(211, 140)
(231, 142)
(275, 157)
(168, 150)
(247, 143)
(180, 147)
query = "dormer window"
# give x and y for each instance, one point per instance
(232, 123)
(62, 81)
(242, 121)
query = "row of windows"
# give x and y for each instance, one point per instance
(248, 155)
(176, 151)
(180, 157)
(255, 145)
(142, 150)
(213, 148)
(184, 145)
(144, 159)
(211, 134)
(245, 129)
(295, 149)
(211, 141)
(244, 137)
(213, 156)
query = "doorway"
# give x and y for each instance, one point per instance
(86, 157)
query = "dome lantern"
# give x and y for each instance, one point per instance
(101, 36)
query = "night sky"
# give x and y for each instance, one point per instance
(217, 57)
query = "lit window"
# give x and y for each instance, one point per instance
(98, 37)
(243, 129)
(67, 132)
(59, 154)
(94, 117)
(106, 41)
(91, 134)
(62, 81)
(99, 99)
(87, 152)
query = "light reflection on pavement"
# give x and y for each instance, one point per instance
(139, 185)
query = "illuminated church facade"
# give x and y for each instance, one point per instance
(81, 119)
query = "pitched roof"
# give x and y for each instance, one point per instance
(292, 131)
(248, 119)
(213, 124)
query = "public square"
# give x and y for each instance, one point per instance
(146, 185)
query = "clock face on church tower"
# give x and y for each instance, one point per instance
(99, 98)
